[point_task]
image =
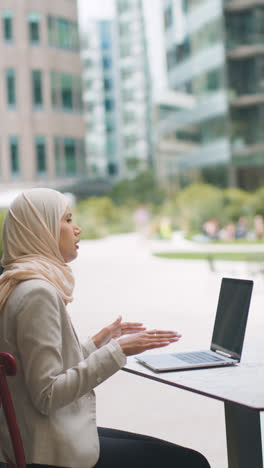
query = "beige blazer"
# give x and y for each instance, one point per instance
(53, 389)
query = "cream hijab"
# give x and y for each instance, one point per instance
(31, 236)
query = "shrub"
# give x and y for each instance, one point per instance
(236, 204)
(196, 204)
(99, 217)
(256, 203)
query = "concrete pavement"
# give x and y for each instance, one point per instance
(119, 275)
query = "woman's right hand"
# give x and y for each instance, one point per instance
(145, 340)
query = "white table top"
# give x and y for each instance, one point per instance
(242, 384)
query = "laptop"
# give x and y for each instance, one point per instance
(228, 333)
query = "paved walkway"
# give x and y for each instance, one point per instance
(119, 275)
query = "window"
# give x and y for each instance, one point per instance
(105, 34)
(58, 149)
(171, 57)
(168, 17)
(109, 104)
(37, 88)
(108, 84)
(40, 148)
(70, 156)
(8, 26)
(11, 87)
(34, 28)
(88, 84)
(88, 63)
(112, 168)
(128, 94)
(122, 6)
(125, 50)
(110, 126)
(62, 33)
(107, 63)
(55, 89)
(14, 155)
(110, 146)
(77, 93)
(89, 106)
(66, 91)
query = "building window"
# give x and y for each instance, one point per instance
(109, 104)
(112, 168)
(123, 5)
(34, 28)
(63, 33)
(8, 26)
(168, 17)
(125, 50)
(11, 87)
(171, 56)
(14, 155)
(107, 63)
(40, 151)
(58, 149)
(105, 34)
(110, 126)
(66, 91)
(37, 88)
(70, 156)
(108, 84)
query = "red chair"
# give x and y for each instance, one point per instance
(8, 367)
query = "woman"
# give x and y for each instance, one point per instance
(53, 391)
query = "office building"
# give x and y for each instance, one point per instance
(214, 51)
(135, 88)
(41, 117)
(101, 98)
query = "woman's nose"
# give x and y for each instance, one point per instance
(78, 230)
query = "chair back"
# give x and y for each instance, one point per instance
(8, 367)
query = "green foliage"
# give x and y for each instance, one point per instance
(236, 204)
(256, 203)
(188, 209)
(141, 189)
(99, 217)
(196, 204)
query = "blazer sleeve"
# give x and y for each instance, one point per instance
(88, 347)
(40, 345)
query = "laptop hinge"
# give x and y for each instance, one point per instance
(222, 353)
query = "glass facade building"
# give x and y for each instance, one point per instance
(214, 52)
(135, 87)
(42, 126)
(117, 93)
(101, 99)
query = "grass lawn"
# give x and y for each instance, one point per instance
(211, 256)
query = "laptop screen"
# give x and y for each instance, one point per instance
(231, 316)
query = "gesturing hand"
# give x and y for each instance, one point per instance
(115, 330)
(145, 340)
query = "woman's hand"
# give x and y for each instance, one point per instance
(145, 340)
(115, 330)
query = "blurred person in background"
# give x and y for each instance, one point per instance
(141, 218)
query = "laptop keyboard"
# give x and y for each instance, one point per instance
(198, 357)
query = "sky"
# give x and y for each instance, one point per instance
(102, 9)
(95, 9)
